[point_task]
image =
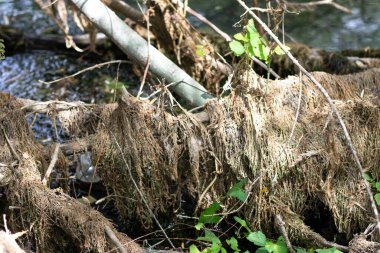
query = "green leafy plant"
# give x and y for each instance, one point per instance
(111, 87)
(376, 185)
(258, 238)
(201, 50)
(237, 190)
(2, 49)
(330, 250)
(252, 44)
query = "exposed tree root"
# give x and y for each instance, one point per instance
(55, 221)
(320, 60)
(174, 159)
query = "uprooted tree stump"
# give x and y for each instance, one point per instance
(182, 164)
(55, 222)
(177, 159)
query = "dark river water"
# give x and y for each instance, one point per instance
(326, 28)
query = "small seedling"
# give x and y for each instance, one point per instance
(258, 238)
(253, 45)
(376, 185)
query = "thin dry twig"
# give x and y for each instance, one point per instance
(51, 165)
(205, 191)
(297, 113)
(281, 226)
(332, 106)
(50, 4)
(148, 60)
(241, 206)
(111, 235)
(84, 70)
(321, 240)
(203, 19)
(14, 153)
(309, 5)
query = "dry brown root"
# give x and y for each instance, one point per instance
(175, 159)
(314, 59)
(55, 221)
(363, 53)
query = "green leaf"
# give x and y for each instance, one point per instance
(237, 190)
(264, 52)
(279, 51)
(262, 250)
(223, 250)
(236, 47)
(377, 185)
(270, 246)
(280, 246)
(194, 249)
(301, 250)
(114, 85)
(330, 250)
(368, 177)
(233, 243)
(199, 226)
(377, 198)
(254, 40)
(251, 29)
(258, 238)
(215, 247)
(209, 237)
(263, 41)
(281, 241)
(243, 223)
(208, 215)
(199, 50)
(240, 36)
